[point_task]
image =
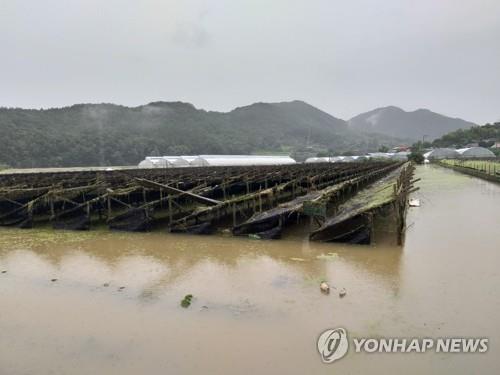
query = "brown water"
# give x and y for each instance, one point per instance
(257, 307)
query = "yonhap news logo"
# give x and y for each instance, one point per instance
(333, 344)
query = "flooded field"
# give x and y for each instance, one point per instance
(109, 303)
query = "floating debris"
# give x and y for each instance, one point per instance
(298, 259)
(105, 285)
(53, 280)
(4, 271)
(329, 256)
(342, 293)
(414, 202)
(324, 287)
(186, 302)
(121, 288)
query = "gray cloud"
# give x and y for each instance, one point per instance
(345, 57)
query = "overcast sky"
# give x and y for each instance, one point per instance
(343, 56)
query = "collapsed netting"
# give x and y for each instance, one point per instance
(258, 201)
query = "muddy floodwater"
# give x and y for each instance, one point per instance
(109, 303)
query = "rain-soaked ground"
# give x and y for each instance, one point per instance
(109, 303)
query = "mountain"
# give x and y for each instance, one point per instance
(109, 134)
(413, 125)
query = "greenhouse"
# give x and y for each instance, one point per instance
(163, 162)
(317, 160)
(475, 152)
(348, 159)
(189, 158)
(441, 153)
(337, 159)
(361, 158)
(379, 155)
(153, 162)
(240, 160)
(176, 161)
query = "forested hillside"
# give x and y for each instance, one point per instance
(483, 135)
(108, 134)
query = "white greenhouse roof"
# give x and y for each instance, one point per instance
(441, 153)
(242, 160)
(479, 152)
(320, 159)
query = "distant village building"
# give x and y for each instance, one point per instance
(401, 148)
(401, 156)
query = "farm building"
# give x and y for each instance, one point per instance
(240, 160)
(441, 153)
(475, 152)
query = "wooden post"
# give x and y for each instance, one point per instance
(52, 212)
(170, 209)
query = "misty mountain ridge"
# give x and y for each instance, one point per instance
(414, 125)
(110, 134)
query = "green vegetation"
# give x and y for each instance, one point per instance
(417, 157)
(417, 152)
(487, 167)
(186, 302)
(107, 134)
(484, 136)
